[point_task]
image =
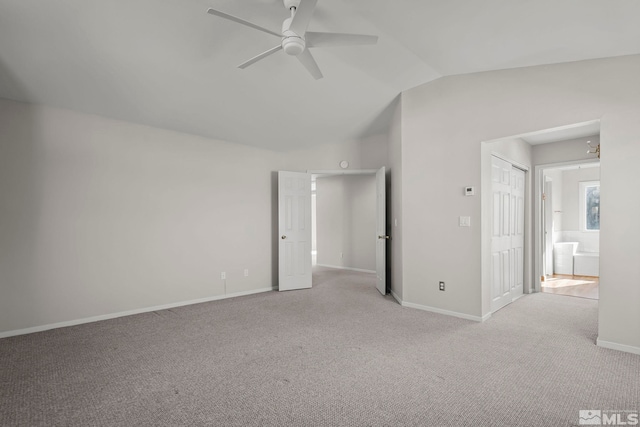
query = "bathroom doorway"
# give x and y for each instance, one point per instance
(571, 229)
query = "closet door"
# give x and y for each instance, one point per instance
(502, 275)
(507, 233)
(517, 232)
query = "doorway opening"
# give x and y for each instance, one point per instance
(344, 222)
(295, 227)
(571, 229)
(569, 146)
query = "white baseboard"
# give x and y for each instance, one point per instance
(128, 313)
(446, 312)
(346, 268)
(619, 347)
(396, 297)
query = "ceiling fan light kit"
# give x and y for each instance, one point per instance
(295, 40)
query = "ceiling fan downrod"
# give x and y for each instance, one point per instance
(292, 43)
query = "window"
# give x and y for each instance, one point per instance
(590, 206)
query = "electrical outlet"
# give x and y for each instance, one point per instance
(246, 272)
(441, 286)
(223, 275)
(341, 255)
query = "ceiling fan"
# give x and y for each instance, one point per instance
(295, 39)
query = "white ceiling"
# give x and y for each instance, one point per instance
(169, 64)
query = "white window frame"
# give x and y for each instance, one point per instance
(582, 200)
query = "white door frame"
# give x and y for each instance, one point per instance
(547, 224)
(539, 213)
(338, 172)
(381, 230)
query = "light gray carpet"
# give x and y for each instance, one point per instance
(339, 354)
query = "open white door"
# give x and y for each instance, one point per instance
(294, 225)
(381, 232)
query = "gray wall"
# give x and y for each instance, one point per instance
(564, 151)
(366, 153)
(443, 125)
(556, 198)
(346, 221)
(571, 195)
(101, 216)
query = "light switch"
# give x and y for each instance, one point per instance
(465, 221)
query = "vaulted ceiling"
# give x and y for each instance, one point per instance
(171, 65)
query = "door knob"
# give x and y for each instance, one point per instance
(384, 237)
(283, 237)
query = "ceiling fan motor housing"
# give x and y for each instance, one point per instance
(292, 44)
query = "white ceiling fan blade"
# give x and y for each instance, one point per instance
(310, 64)
(303, 15)
(241, 21)
(338, 39)
(259, 57)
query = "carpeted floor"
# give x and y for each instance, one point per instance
(338, 354)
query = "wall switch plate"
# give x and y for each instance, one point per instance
(223, 275)
(465, 221)
(469, 191)
(246, 272)
(441, 286)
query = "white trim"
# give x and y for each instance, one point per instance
(334, 172)
(538, 231)
(446, 312)
(127, 313)
(396, 297)
(517, 165)
(346, 268)
(619, 347)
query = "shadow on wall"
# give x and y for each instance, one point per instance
(10, 86)
(21, 193)
(380, 125)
